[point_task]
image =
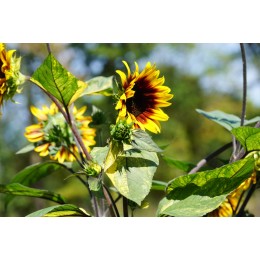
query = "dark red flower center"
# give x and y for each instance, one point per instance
(139, 103)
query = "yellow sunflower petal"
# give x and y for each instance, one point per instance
(81, 111)
(38, 113)
(42, 149)
(149, 124)
(34, 136)
(127, 67)
(122, 76)
(156, 114)
(34, 127)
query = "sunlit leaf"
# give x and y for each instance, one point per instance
(115, 149)
(210, 188)
(249, 137)
(228, 121)
(55, 79)
(192, 206)
(132, 173)
(18, 189)
(66, 210)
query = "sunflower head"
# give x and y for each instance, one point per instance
(142, 97)
(52, 135)
(10, 76)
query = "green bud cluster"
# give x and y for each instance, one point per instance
(57, 131)
(92, 169)
(121, 131)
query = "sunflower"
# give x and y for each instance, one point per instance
(229, 206)
(53, 136)
(143, 95)
(10, 76)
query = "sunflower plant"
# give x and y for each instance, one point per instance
(119, 175)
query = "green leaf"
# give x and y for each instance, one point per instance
(142, 141)
(228, 121)
(26, 149)
(66, 210)
(132, 173)
(96, 187)
(21, 190)
(99, 154)
(99, 85)
(54, 78)
(210, 188)
(249, 137)
(33, 173)
(184, 166)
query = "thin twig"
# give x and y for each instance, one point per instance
(236, 144)
(49, 48)
(210, 157)
(243, 113)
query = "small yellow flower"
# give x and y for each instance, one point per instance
(229, 206)
(52, 135)
(143, 95)
(10, 76)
